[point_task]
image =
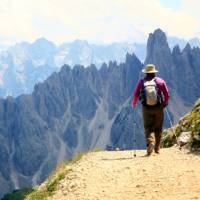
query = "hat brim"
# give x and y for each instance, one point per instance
(149, 72)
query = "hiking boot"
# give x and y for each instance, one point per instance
(150, 148)
(157, 149)
(148, 154)
(157, 152)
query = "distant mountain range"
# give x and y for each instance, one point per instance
(80, 108)
(173, 41)
(25, 64)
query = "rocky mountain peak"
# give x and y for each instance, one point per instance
(194, 42)
(159, 33)
(130, 57)
(157, 46)
(42, 48)
(176, 50)
(42, 40)
(157, 37)
(187, 48)
(80, 42)
(158, 53)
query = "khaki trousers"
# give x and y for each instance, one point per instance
(153, 121)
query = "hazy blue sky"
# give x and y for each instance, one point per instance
(96, 20)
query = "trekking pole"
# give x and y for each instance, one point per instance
(134, 123)
(170, 121)
(134, 134)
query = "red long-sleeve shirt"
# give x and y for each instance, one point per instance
(162, 87)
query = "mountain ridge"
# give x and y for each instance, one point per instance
(61, 117)
(25, 64)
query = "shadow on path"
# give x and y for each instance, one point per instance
(129, 158)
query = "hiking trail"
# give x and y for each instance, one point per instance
(117, 175)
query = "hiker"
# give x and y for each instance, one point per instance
(154, 95)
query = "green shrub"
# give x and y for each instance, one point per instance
(18, 194)
(190, 123)
(52, 184)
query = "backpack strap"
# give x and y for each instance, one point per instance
(142, 80)
(159, 92)
(142, 92)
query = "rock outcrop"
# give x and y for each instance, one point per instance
(187, 132)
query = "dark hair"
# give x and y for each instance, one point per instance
(151, 74)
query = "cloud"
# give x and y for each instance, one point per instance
(192, 7)
(94, 20)
(148, 15)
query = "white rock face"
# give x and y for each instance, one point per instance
(25, 64)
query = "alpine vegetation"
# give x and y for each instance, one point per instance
(187, 131)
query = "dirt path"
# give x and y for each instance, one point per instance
(172, 175)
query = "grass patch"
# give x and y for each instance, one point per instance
(50, 186)
(53, 183)
(169, 139)
(78, 157)
(37, 195)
